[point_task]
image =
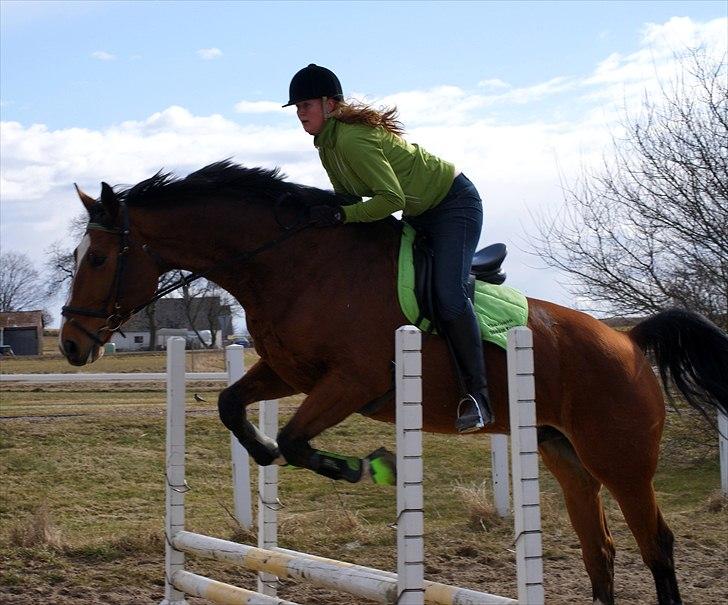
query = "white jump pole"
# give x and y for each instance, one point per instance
(268, 503)
(219, 592)
(242, 502)
(410, 513)
(365, 582)
(499, 474)
(524, 466)
(176, 486)
(723, 445)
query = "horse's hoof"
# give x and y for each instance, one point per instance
(382, 467)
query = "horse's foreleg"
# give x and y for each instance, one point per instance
(328, 404)
(581, 492)
(258, 384)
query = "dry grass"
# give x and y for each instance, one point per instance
(98, 538)
(717, 502)
(478, 502)
(37, 530)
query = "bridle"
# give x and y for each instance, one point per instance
(117, 317)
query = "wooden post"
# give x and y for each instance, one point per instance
(524, 461)
(410, 514)
(268, 497)
(243, 508)
(176, 485)
(499, 474)
(723, 437)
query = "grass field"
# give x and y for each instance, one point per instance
(82, 503)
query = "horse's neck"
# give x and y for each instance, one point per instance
(198, 237)
(305, 266)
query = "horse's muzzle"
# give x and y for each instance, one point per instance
(70, 352)
(76, 355)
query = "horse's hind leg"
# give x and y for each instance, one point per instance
(581, 492)
(654, 537)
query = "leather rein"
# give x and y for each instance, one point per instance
(116, 318)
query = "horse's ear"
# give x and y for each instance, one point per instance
(109, 201)
(85, 198)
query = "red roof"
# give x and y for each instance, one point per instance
(21, 319)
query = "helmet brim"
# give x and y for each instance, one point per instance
(294, 101)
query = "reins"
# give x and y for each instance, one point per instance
(116, 319)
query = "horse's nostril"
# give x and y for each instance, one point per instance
(69, 348)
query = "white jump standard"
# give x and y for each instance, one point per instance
(408, 586)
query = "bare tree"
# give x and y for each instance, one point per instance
(150, 310)
(59, 262)
(200, 311)
(20, 284)
(649, 229)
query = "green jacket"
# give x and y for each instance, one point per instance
(372, 162)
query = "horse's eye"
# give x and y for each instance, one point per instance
(95, 260)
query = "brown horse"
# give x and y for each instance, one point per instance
(322, 307)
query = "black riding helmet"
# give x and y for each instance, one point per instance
(314, 82)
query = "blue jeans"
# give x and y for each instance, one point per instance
(453, 227)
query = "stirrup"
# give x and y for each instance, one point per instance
(468, 427)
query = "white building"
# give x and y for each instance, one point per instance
(203, 322)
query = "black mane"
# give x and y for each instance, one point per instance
(225, 179)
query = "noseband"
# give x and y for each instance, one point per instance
(116, 318)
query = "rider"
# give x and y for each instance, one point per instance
(365, 156)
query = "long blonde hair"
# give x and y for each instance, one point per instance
(356, 112)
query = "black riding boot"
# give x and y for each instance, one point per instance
(474, 411)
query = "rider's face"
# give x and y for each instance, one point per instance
(311, 114)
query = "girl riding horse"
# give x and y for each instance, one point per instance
(365, 155)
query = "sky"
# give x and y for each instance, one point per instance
(521, 96)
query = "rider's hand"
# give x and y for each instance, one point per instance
(326, 216)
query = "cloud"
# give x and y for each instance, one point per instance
(493, 83)
(102, 55)
(259, 107)
(38, 163)
(209, 53)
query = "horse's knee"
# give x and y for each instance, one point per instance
(232, 414)
(229, 408)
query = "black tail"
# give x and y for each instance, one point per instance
(692, 352)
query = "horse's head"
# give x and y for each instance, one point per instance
(113, 275)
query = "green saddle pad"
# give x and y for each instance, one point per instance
(498, 308)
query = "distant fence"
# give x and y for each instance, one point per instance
(110, 377)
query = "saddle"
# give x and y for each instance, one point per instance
(486, 267)
(415, 284)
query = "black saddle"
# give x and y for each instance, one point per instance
(486, 267)
(487, 264)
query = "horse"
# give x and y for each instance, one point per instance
(322, 308)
